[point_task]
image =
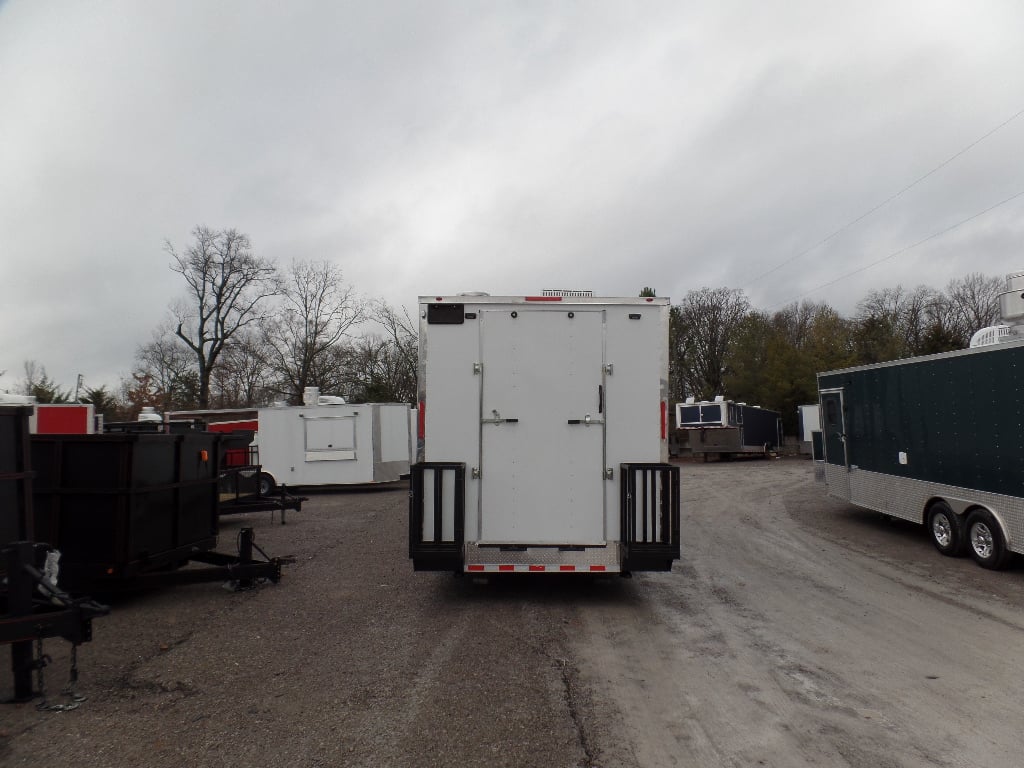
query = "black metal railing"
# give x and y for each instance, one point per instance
(650, 516)
(429, 547)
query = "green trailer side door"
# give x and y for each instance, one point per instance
(837, 460)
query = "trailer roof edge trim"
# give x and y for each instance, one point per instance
(562, 300)
(924, 358)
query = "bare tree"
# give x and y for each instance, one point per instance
(241, 378)
(403, 337)
(702, 327)
(227, 285)
(316, 314)
(975, 302)
(169, 367)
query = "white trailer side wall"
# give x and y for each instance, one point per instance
(334, 444)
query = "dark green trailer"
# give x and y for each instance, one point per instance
(937, 440)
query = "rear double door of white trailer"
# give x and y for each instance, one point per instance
(542, 427)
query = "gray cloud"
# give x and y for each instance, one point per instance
(447, 146)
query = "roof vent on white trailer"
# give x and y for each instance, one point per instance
(149, 413)
(567, 294)
(991, 335)
(330, 400)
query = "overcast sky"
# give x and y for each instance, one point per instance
(435, 147)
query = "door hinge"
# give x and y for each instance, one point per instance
(609, 473)
(609, 369)
(478, 368)
(475, 474)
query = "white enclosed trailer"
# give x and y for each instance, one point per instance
(542, 435)
(333, 444)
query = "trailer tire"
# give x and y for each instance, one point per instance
(946, 529)
(267, 484)
(985, 541)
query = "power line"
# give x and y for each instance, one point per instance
(888, 200)
(902, 250)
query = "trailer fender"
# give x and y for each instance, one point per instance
(960, 507)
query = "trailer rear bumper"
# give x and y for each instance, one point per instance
(649, 528)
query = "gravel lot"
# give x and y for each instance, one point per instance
(796, 631)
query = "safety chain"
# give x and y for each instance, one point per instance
(68, 691)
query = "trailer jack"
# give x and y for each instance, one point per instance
(33, 609)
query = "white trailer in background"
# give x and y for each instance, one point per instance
(333, 443)
(542, 435)
(808, 422)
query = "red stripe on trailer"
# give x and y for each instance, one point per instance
(506, 567)
(421, 420)
(538, 568)
(664, 419)
(597, 567)
(543, 298)
(567, 567)
(474, 567)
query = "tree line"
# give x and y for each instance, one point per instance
(247, 332)
(721, 345)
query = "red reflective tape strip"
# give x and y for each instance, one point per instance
(664, 419)
(474, 567)
(506, 567)
(421, 420)
(537, 568)
(543, 298)
(567, 567)
(597, 567)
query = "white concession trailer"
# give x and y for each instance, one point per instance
(542, 435)
(333, 444)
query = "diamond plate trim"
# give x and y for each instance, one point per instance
(906, 498)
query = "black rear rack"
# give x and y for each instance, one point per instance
(650, 516)
(429, 549)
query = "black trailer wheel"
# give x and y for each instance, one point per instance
(267, 484)
(946, 529)
(985, 541)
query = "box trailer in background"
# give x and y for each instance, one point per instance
(324, 442)
(937, 440)
(724, 427)
(333, 444)
(542, 436)
(56, 418)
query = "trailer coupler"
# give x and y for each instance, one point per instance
(33, 609)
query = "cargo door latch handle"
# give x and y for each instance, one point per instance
(498, 420)
(586, 421)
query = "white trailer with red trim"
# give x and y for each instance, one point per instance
(542, 435)
(55, 418)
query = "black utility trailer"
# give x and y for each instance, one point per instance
(129, 510)
(31, 607)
